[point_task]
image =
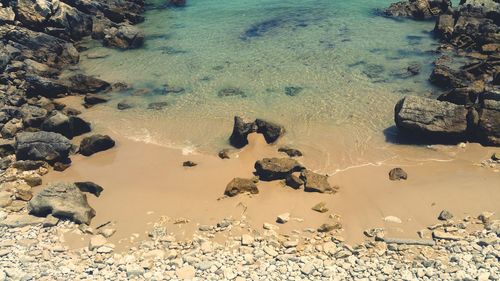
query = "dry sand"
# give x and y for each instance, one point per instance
(145, 182)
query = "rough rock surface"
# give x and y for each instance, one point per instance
(95, 143)
(314, 182)
(240, 185)
(45, 146)
(241, 129)
(276, 168)
(62, 200)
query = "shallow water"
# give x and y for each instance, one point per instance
(329, 71)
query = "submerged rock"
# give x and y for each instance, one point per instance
(124, 36)
(292, 152)
(64, 201)
(428, 118)
(96, 143)
(45, 146)
(276, 168)
(397, 174)
(418, 9)
(240, 185)
(231, 92)
(157, 105)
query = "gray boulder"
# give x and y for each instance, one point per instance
(64, 201)
(431, 119)
(68, 126)
(276, 168)
(45, 146)
(124, 36)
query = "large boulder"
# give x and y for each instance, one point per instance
(276, 168)
(95, 143)
(431, 119)
(64, 201)
(45, 146)
(124, 36)
(489, 123)
(33, 116)
(314, 182)
(46, 87)
(81, 83)
(447, 78)
(68, 126)
(240, 185)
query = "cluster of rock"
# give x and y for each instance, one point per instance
(452, 250)
(469, 109)
(286, 169)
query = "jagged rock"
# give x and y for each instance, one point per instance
(46, 87)
(397, 174)
(418, 9)
(177, 3)
(276, 168)
(447, 78)
(444, 26)
(45, 146)
(292, 152)
(96, 143)
(64, 201)
(7, 14)
(271, 131)
(69, 127)
(89, 187)
(29, 165)
(445, 215)
(428, 118)
(10, 129)
(294, 181)
(124, 37)
(33, 116)
(314, 182)
(241, 129)
(488, 129)
(240, 185)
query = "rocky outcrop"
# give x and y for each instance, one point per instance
(68, 126)
(240, 185)
(96, 143)
(428, 118)
(314, 182)
(241, 129)
(418, 9)
(45, 146)
(269, 169)
(64, 201)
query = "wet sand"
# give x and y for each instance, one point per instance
(146, 183)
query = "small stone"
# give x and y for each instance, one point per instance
(270, 226)
(247, 240)
(107, 232)
(485, 216)
(189, 164)
(327, 227)
(283, 218)
(307, 268)
(397, 174)
(445, 215)
(270, 251)
(186, 272)
(444, 235)
(320, 207)
(134, 270)
(393, 219)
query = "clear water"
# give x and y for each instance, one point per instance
(343, 57)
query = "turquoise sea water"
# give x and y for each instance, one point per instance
(328, 70)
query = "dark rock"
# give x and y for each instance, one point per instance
(431, 119)
(397, 174)
(276, 168)
(292, 91)
(96, 143)
(447, 78)
(231, 92)
(177, 3)
(158, 105)
(89, 187)
(45, 146)
(294, 181)
(189, 164)
(488, 129)
(224, 154)
(271, 131)
(10, 129)
(124, 36)
(445, 215)
(67, 126)
(63, 201)
(314, 182)
(93, 99)
(241, 129)
(33, 116)
(61, 167)
(123, 105)
(45, 87)
(240, 185)
(7, 147)
(292, 152)
(80, 83)
(444, 26)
